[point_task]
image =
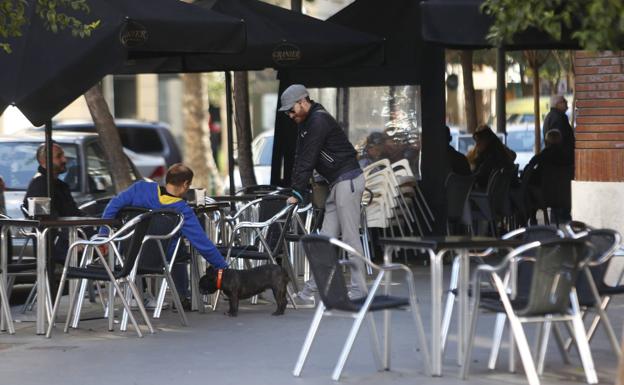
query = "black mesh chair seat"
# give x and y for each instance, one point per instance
(94, 272)
(611, 290)
(292, 237)
(380, 302)
(236, 249)
(496, 306)
(485, 293)
(20, 267)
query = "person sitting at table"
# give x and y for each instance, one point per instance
(150, 195)
(373, 149)
(62, 203)
(489, 154)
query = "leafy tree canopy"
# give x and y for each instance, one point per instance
(57, 15)
(596, 24)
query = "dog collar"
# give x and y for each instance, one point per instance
(219, 278)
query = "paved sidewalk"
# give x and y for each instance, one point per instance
(257, 348)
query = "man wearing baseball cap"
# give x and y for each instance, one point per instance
(323, 146)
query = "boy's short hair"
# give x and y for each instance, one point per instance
(178, 173)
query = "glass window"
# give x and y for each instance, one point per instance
(521, 141)
(141, 140)
(18, 165)
(98, 175)
(262, 150)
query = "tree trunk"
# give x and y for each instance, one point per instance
(197, 153)
(243, 128)
(536, 59)
(109, 137)
(470, 105)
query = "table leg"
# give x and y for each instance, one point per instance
(436, 311)
(42, 293)
(4, 257)
(73, 284)
(462, 292)
(111, 292)
(386, 314)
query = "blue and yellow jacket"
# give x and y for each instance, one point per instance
(147, 195)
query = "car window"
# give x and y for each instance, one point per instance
(18, 164)
(98, 175)
(262, 151)
(141, 140)
(520, 141)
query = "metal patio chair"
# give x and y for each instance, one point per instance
(551, 298)
(326, 266)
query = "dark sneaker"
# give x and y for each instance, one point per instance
(186, 305)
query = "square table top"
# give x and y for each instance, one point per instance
(59, 222)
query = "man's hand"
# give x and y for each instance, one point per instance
(292, 201)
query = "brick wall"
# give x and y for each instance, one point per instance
(599, 86)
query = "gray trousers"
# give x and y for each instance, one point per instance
(342, 217)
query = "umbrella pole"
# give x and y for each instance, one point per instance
(501, 115)
(48, 146)
(230, 131)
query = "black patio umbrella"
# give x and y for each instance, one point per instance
(276, 38)
(46, 71)
(461, 24)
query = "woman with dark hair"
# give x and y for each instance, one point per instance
(489, 154)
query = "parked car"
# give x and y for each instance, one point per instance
(88, 173)
(142, 137)
(262, 154)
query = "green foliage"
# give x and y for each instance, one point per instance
(57, 15)
(597, 24)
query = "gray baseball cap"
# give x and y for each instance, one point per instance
(292, 95)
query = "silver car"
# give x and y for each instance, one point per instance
(88, 173)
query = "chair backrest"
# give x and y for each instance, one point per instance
(323, 258)
(132, 245)
(525, 269)
(268, 207)
(163, 228)
(605, 243)
(458, 189)
(498, 191)
(555, 271)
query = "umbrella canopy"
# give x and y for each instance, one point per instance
(460, 24)
(46, 71)
(397, 22)
(276, 38)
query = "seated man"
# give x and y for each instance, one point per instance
(62, 203)
(151, 196)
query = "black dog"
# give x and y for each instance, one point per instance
(241, 284)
